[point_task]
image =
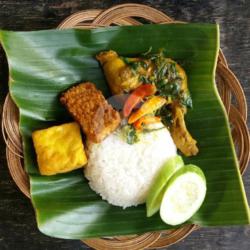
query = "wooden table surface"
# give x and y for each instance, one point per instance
(18, 228)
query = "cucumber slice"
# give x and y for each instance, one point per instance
(184, 194)
(156, 191)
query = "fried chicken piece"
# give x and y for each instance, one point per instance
(182, 138)
(89, 108)
(119, 75)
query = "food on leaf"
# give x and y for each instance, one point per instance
(119, 75)
(137, 161)
(59, 149)
(137, 96)
(184, 194)
(122, 173)
(150, 106)
(89, 108)
(182, 138)
(170, 82)
(42, 64)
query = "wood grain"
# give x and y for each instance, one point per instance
(17, 222)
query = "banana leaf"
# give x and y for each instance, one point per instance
(42, 64)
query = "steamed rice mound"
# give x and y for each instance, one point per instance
(121, 173)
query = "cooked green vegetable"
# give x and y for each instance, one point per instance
(170, 80)
(130, 134)
(186, 100)
(166, 115)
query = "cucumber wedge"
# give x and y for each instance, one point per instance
(157, 190)
(184, 194)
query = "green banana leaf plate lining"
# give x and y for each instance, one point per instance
(42, 64)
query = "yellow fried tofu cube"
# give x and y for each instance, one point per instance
(59, 149)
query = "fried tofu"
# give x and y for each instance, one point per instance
(59, 149)
(89, 108)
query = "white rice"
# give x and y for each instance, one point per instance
(121, 173)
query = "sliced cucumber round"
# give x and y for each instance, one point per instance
(156, 191)
(184, 194)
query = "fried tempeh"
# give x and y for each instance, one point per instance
(89, 108)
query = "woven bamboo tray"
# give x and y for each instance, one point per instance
(229, 88)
